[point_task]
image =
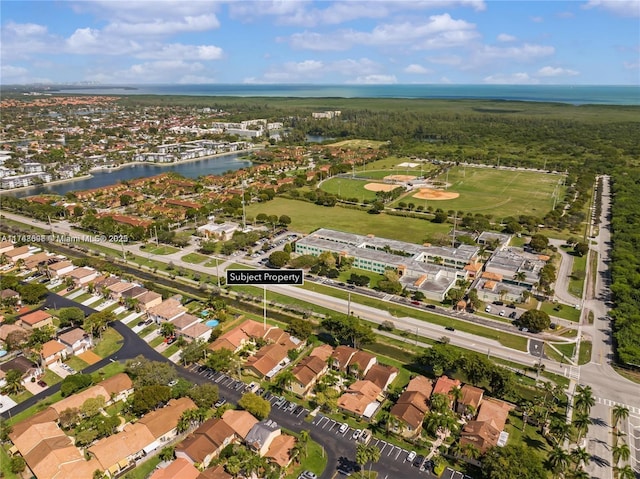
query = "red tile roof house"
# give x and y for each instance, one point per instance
(470, 400)
(266, 362)
(177, 469)
(240, 421)
(280, 450)
(5, 246)
(360, 363)
(236, 338)
(36, 320)
(382, 375)
(206, 442)
(76, 341)
(148, 300)
(166, 311)
(306, 374)
(120, 451)
(117, 289)
(53, 352)
(444, 385)
(16, 254)
(82, 276)
(361, 399)
(409, 412)
(485, 431)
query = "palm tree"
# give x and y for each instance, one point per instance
(625, 472)
(580, 455)
(471, 451)
(558, 460)
(621, 452)
(559, 431)
(374, 456)
(581, 422)
(584, 398)
(303, 439)
(362, 455)
(167, 329)
(13, 380)
(520, 276)
(580, 474)
(619, 413)
(284, 379)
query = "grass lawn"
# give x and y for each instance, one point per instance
(567, 348)
(109, 344)
(499, 192)
(349, 188)
(374, 277)
(356, 143)
(109, 370)
(307, 217)
(147, 330)
(561, 311)
(314, 461)
(21, 396)
(143, 470)
(161, 249)
(576, 285)
(194, 258)
(5, 465)
(77, 363)
(506, 339)
(157, 341)
(51, 378)
(584, 356)
(171, 350)
(531, 436)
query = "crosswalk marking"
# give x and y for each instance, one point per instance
(610, 403)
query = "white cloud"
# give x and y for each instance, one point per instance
(537, 19)
(164, 71)
(439, 31)
(623, 8)
(24, 29)
(415, 68)
(317, 71)
(505, 37)
(511, 79)
(157, 27)
(523, 53)
(556, 72)
(184, 52)
(631, 65)
(307, 14)
(374, 80)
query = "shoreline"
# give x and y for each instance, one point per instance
(120, 167)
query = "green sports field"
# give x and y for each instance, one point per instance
(307, 217)
(498, 192)
(349, 188)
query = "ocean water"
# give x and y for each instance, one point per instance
(575, 95)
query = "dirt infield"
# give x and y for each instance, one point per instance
(380, 187)
(399, 178)
(431, 194)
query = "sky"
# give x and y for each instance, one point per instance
(581, 42)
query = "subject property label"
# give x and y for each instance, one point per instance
(265, 276)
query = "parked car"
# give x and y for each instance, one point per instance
(220, 402)
(502, 312)
(356, 434)
(487, 309)
(308, 475)
(417, 462)
(412, 455)
(343, 428)
(365, 437)
(512, 315)
(41, 383)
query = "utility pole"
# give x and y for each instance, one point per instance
(244, 213)
(264, 307)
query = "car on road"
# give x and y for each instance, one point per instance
(512, 315)
(431, 306)
(356, 434)
(449, 328)
(412, 455)
(487, 309)
(415, 303)
(220, 402)
(524, 330)
(511, 306)
(502, 312)
(343, 428)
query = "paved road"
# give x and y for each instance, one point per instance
(608, 387)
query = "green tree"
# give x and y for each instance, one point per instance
(148, 398)
(13, 380)
(32, 293)
(70, 316)
(221, 360)
(510, 462)
(619, 413)
(279, 258)
(581, 422)
(97, 323)
(621, 452)
(539, 242)
(625, 472)
(148, 373)
(581, 249)
(584, 399)
(5, 430)
(534, 320)
(167, 329)
(17, 464)
(204, 395)
(194, 351)
(580, 456)
(256, 405)
(300, 328)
